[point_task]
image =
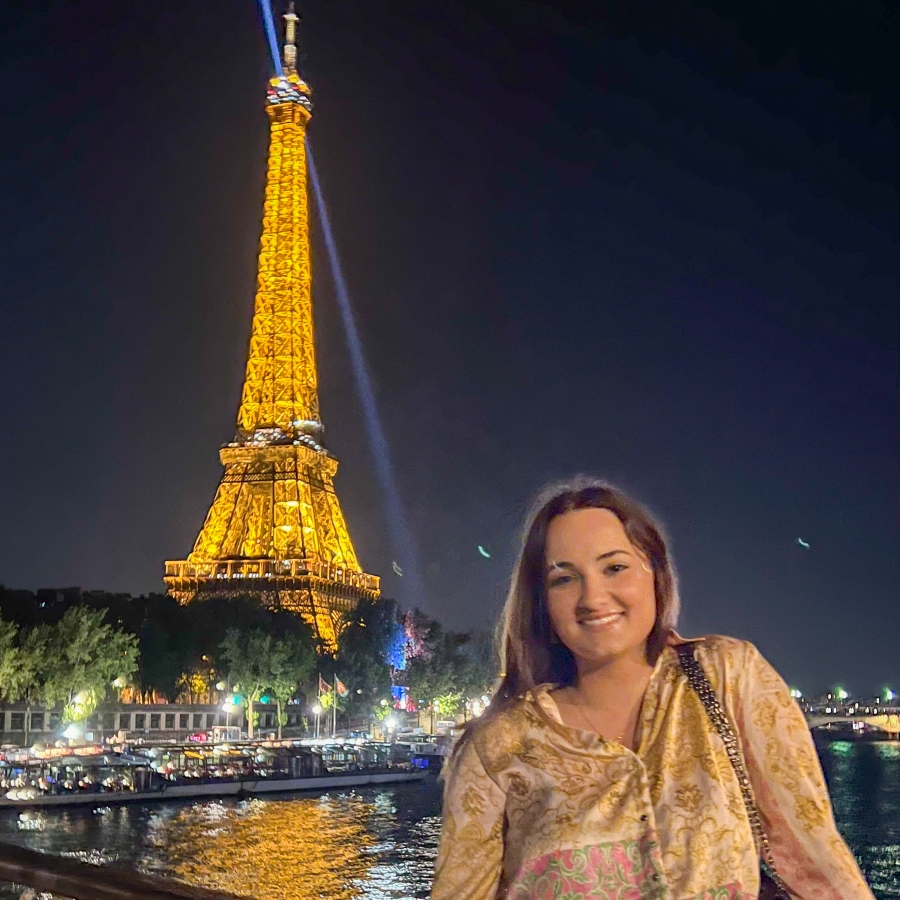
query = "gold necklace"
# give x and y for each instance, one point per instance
(594, 728)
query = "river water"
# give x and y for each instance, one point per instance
(379, 844)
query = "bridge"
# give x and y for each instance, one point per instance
(857, 716)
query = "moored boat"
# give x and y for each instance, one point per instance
(167, 772)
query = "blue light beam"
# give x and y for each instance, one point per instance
(269, 22)
(401, 534)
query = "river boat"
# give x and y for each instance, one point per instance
(98, 776)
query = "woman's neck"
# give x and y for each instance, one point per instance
(603, 684)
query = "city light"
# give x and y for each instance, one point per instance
(796, 694)
(317, 710)
(841, 694)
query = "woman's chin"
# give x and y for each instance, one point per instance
(594, 655)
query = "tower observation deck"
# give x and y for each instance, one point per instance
(275, 529)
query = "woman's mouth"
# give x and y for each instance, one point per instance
(600, 621)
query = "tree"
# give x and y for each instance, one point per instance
(28, 667)
(480, 664)
(165, 646)
(293, 662)
(258, 661)
(439, 670)
(10, 683)
(8, 633)
(367, 653)
(86, 656)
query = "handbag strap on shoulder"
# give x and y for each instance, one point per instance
(698, 681)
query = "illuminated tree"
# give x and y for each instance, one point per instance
(289, 669)
(84, 658)
(8, 634)
(448, 704)
(450, 664)
(257, 661)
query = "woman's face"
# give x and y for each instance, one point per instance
(600, 589)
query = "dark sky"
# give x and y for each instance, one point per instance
(653, 242)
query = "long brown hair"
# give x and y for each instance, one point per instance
(529, 653)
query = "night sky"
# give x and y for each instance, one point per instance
(651, 242)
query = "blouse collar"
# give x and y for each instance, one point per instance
(541, 694)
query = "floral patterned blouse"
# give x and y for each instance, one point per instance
(536, 809)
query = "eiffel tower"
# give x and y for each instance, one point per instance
(275, 530)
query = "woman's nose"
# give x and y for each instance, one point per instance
(593, 590)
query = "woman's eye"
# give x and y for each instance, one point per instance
(558, 580)
(615, 568)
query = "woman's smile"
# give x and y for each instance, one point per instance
(601, 620)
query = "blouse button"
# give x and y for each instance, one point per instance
(644, 817)
(655, 876)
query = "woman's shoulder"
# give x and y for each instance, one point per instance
(496, 737)
(724, 658)
(717, 645)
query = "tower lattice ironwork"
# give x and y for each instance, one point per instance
(275, 529)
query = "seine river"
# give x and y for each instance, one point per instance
(379, 844)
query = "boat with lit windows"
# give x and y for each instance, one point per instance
(100, 776)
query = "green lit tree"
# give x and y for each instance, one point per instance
(84, 657)
(9, 633)
(293, 663)
(27, 668)
(257, 661)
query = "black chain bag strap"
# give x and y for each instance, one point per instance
(771, 886)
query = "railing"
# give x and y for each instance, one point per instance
(267, 569)
(82, 881)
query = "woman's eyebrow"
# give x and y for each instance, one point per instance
(563, 564)
(611, 553)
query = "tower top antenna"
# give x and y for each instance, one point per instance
(290, 40)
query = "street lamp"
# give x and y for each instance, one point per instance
(317, 711)
(228, 708)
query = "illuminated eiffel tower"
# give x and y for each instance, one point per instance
(275, 529)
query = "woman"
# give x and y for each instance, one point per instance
(598, 771)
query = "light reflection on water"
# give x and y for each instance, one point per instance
(379, 844)
(864, 781)
(374, 844)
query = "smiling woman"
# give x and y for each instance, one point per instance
(620, 760)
